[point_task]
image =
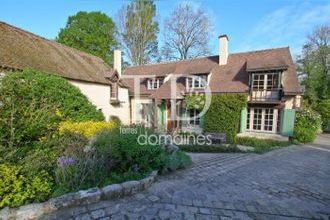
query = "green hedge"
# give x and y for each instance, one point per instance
(224, 114)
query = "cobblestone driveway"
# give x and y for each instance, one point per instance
(291, 183)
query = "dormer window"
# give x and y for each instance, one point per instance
(154, 83)
(196, 81)
(265, 81)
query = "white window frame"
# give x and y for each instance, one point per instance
(194, 120)
(264, 86)
(196, 80)
(153, 84)
(263, 113)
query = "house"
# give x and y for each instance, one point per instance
(154, 94)
(268, 77)
(20, 49)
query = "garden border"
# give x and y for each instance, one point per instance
(82, 197)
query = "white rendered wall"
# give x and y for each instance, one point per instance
(99, 95)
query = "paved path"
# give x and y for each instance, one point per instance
(290, 183)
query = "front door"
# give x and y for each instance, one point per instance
(173, 111)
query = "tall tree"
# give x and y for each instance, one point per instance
(313, 65)
(138, 31)
(186, 33)
(92, 32)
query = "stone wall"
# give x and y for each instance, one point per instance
(83, 197)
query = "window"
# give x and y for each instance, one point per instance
(263, 119)
(196, 81)
(258, 81)
(248, 119)
(268, 123)
(113, 91)
(154, 83)
(272, 81)
(257, 118)
(267, 81)
(194, 120)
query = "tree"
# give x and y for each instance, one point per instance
(186, 33)
(92, 32)
(138, 31)
(313, 66)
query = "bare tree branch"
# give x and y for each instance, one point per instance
(187, 33)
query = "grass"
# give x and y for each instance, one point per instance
(215, 148)
(262, 145)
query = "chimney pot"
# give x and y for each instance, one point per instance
(223, 49)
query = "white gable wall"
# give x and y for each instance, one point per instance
(99, 95)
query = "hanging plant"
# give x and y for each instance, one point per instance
(195, 101)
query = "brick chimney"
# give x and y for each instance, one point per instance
(223, 49)
(117, 61)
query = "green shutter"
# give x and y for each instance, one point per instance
(149, 112)
(287, 123)
(184, 115)
(161, 116)
(201, 121)
(138, 115)
(243, 120)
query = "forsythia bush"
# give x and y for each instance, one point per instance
(17, 189)
(87, 129)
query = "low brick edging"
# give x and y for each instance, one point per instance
(82, 197)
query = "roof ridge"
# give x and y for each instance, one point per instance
(53, 42)
(197, 58)
(172, 61)
(262, 50)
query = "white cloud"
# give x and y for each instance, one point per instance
(286, 26)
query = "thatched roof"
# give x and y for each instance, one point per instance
(20, 49)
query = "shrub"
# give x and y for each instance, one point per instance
(195, 101)
(17, 189)
(209, 148)
(78, 166)
(307, 124)
(224, 114)
(115, 120)
(324, 110)
(32, 105)
(261, 145)
(176, 160)
(109, 157)
(87, 128)
(128, 154)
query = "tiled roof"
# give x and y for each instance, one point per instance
(20, 49)
(230, 78)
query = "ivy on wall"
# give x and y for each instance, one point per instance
(224, 114)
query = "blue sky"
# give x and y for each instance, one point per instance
(250, 24)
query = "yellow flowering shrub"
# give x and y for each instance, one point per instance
(87, 128)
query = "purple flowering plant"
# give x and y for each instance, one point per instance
(65, 161)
